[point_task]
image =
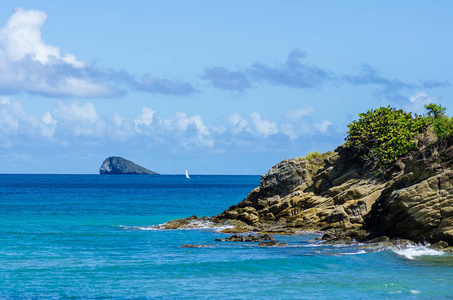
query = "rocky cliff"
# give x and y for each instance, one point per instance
(118, 165)
(338, 195)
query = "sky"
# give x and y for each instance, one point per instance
(215, 87)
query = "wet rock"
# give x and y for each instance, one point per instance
(248, 238)
(192, 246)
(190, 222)
(272, 244)
(440, 245)
(237, 230)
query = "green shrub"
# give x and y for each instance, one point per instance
(315, 157)
(441, 124)
(383, 135)
(435, 110)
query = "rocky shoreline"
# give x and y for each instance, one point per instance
(336, 195)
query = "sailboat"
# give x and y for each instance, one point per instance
(187, 175)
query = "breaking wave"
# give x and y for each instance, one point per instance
(411, 252)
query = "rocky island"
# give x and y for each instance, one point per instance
(384, 183)
(118, 165)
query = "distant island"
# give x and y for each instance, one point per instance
(118, 166)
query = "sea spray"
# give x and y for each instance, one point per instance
(411, 252)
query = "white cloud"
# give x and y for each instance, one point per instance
(78, 120)
(323, 126)
(188, 130)
(21, 36)
(15, 123)
(236, 123)
(48, 126)
(421, 97)
(85, 113)
(29, 64)
(418, 101)
(253, 124)
(298, 113)
(261, 126)
(120, 129)
(117, 120)
(295, 123)
(295, 130)
(145, 119)
(10, 116)
(74, 123)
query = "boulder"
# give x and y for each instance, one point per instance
(247, 238)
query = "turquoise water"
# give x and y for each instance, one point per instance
(92, 237)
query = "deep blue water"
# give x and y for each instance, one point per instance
(92, 237)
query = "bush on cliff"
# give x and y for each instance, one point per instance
(315, 157)
(383, 135)
(440, 124)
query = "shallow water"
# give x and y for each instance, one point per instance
(92, 236)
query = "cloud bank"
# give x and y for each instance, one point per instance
(67, 124)
(224, 79)
(389, 88)
(30, 65)
(294, 73)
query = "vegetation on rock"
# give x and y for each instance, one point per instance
(383, 135)
(315, 157)
(439, 122)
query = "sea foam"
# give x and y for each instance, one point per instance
(411, 252)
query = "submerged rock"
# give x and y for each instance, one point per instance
(272, 244)
(192, 246)
(248, 238)
(264, 240)
(118, 165)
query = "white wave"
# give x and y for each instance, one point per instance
(355, 253)
(144, 228)
(192, 225)
(138, 227)
(344, 245)
(411, 252)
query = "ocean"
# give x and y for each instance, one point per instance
(95, 237)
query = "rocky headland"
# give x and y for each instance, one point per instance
(338, 195)
(118, 165)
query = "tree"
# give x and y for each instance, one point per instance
(440, 123)
(435, 111)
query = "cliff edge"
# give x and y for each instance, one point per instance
(118, 165)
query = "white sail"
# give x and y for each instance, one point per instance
(187, 174)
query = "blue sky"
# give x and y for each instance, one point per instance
(215, 87)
